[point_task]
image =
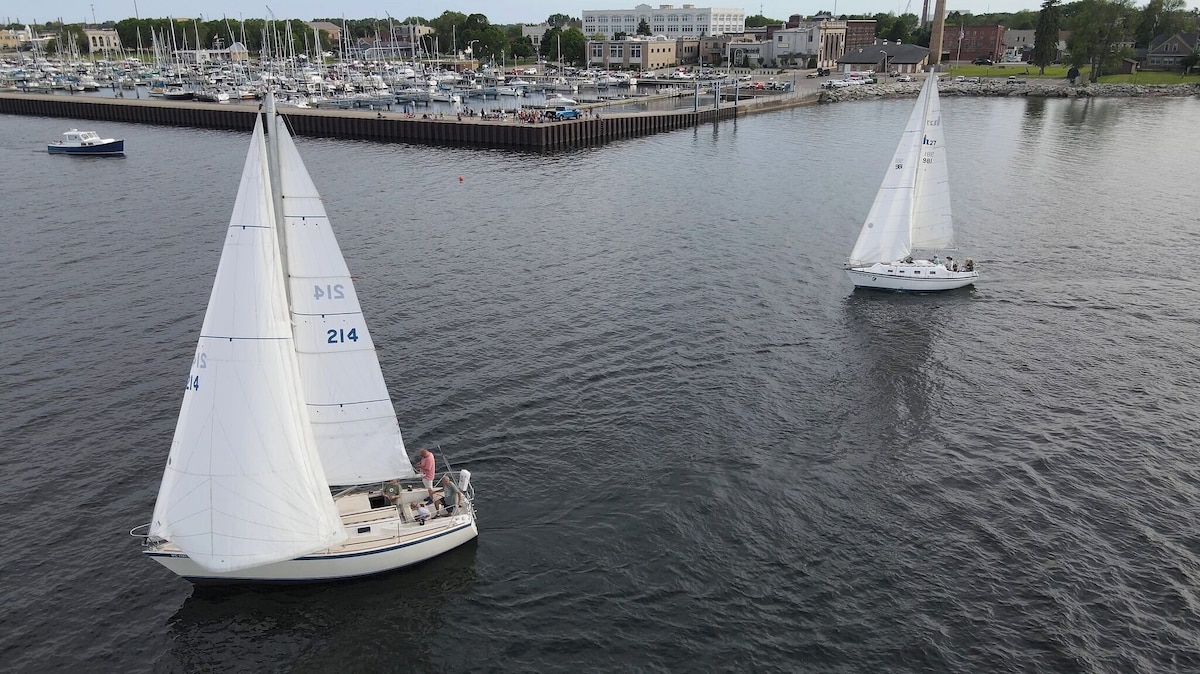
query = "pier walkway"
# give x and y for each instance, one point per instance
(596, 127)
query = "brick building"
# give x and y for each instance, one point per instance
(860, 33)
(967, 43)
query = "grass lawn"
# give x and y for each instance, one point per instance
(1151, 78)
(1018, 69)
(1027, 71)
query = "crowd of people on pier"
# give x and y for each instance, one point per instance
(531, 116)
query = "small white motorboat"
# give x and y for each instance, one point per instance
(556, 98)
(86, 142)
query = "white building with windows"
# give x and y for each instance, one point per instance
(667, 20)
(535, 34)
(102, 40)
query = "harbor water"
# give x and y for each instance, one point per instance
(695, 447)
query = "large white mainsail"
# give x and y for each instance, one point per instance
(886, 234)
(243, 484)
(932, 224)
(354, 422)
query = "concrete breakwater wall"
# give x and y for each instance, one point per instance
(999, 87)
(391, 126)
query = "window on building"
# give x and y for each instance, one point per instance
(597, 51)
(635, 51)
(614, 51)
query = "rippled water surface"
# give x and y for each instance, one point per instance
(695, 447)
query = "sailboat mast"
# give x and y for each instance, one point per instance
(276, 186)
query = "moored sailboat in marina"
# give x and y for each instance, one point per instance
(287, 436)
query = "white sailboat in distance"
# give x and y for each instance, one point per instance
(287, 435)
(911, 212)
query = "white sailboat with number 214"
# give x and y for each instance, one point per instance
(287, 462)
(912, 212)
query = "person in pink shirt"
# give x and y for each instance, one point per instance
(427, 467)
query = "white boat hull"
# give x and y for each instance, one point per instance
(911, 277)
(351, 560)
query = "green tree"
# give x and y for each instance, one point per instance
(1096, 33)
(620, 35)
(883, 23)
(446, 27)
(550, 42)
(521, 48)
(1023, 20)
(898, 32)
(574, 46)
(921, 36)
(558, 20)
(1045, 38)
(1161, 17)
(643, 27)
(758, 21)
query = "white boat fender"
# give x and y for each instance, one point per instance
(464, 480)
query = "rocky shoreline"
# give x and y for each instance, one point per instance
(998, 87)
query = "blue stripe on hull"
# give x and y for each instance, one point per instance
(108, 148)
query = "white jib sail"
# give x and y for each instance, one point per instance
(885, 233)
(933, 226)
(243, 486)
(354, 422)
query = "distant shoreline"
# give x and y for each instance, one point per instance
(1003, 88)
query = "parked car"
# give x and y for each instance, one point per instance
(982, 61)
(744, 78)
(1013, 79)
(563, 112)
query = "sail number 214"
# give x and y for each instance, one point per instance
(329, 292)
(339, 336)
